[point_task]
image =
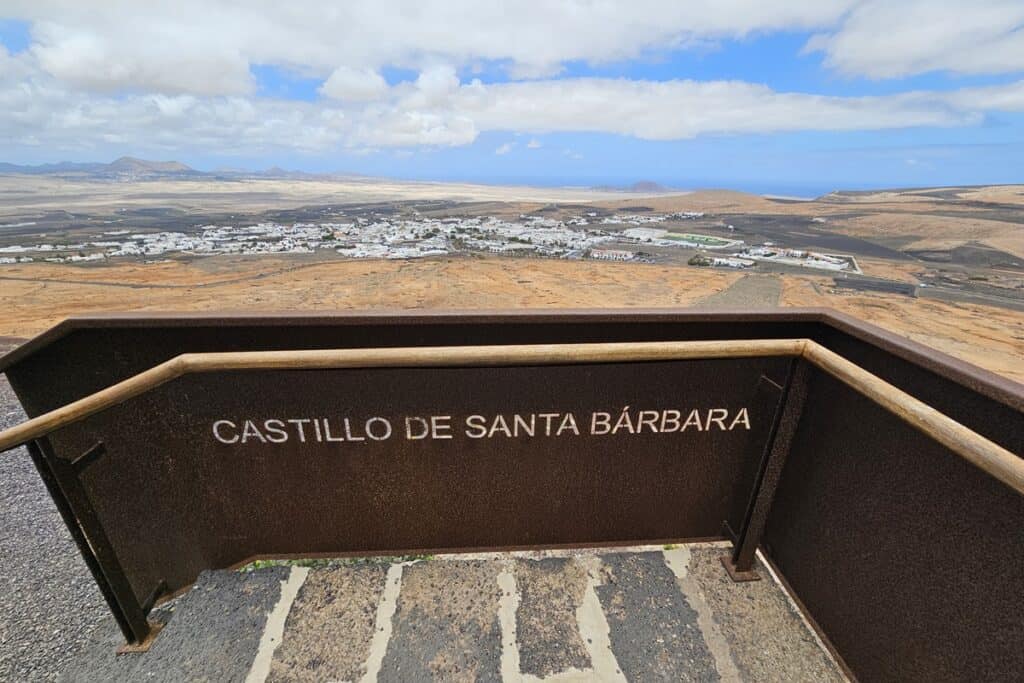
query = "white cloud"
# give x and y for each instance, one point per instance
(401, 128)
(36, 109)
(169, 76)
(434, 86)
(684, 109)
(173, 58)
(354, 85)
(886, 39)
(205, 46)
(505, 148)
(1008, 97)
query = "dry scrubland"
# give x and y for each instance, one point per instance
(278, 284)
(990, 337)
(892, 215)
(36, 296)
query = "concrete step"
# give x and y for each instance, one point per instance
(637, 615)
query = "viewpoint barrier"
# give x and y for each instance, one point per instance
(880, 478)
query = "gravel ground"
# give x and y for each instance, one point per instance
(49, 605)
(212, 635)
(752, 616)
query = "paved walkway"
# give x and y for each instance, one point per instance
(636, 615)
(750, 291)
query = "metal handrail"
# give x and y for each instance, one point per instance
(973, 447)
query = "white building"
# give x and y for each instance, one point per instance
(612, 254)
(731, 262)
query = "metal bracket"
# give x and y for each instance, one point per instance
(61, 480)
(145, 644)
(740, 565)
(89, 457)
(737, 575)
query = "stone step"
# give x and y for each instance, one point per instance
(656, 614)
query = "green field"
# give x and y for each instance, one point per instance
(698, 239)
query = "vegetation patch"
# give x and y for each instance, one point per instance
(699, 239)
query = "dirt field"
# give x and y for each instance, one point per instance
(44, 294)
(992, 338)
(51, 292)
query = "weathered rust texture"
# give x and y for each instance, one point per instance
(909, 559)
(740, 564)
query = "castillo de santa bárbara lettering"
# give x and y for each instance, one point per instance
(279, 430)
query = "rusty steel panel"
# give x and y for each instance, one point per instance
(89, 354)
(741, 563)
(909, 558)
(82, 355)
(214, 468)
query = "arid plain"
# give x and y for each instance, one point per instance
(960, 251)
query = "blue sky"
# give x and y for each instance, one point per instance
(797, 101)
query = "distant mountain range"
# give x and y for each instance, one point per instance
(133, 168)
(645, 186)
(125, 166)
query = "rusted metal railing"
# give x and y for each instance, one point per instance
(973, 447)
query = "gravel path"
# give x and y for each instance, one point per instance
(49, 604)
(750, 291)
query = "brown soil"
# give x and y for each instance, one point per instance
(992, 338)
(51, 293)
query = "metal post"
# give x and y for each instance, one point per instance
(740, 564)
(61, 479)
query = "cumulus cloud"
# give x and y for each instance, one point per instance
(1008, 97)
(204, 46)
(670, 110)
(172, 58)
(437, 110)
(505, 148)
(534, 144)
(13, 68)
(354, 85)
(434, 86)
(150, 76)
(885, 39)
(396, 127)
